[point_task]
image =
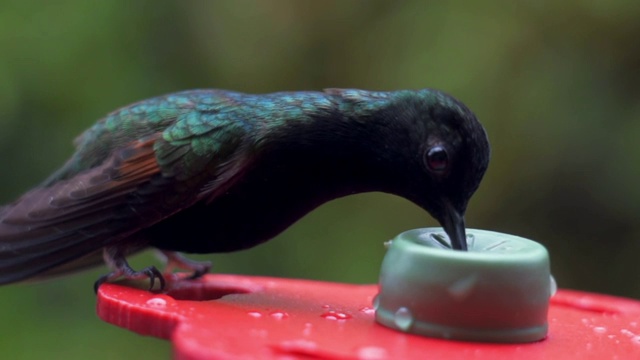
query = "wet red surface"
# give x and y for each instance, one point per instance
(241, 317)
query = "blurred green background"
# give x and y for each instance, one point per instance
(555, 83)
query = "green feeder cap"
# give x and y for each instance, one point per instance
(497, 291)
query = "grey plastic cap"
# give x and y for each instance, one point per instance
(497, 291)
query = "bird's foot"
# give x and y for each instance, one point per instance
(151, 273)
(177, 261)
(114, 258)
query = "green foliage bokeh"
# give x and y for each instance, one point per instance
(555, 84)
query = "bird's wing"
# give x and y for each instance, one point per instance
(83, 209)
(50, 226)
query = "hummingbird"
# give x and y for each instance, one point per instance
(209, 171)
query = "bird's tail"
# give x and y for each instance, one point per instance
(32, 248)
(62, 226)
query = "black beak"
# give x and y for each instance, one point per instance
(453, 224)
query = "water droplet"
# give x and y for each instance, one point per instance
(461, 288)
(387, 244)
(367, 310)
(376, 302)
(335, 315)
(326, 306)
(636, 339)
(553, 285)
(403, 319)
(600, 329)
(279, 315)
(611, 336)
(627, 333)
(157, 302)
(307, 329)
(254, 314)
(372, 353)
(585, 321)
(633, 324)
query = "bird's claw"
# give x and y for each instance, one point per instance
(114, 257)
(101, 280)
(176, 260)
(151, 273)
(202, 269)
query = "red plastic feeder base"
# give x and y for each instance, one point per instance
(241, 317)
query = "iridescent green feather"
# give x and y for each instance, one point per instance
(203, 128)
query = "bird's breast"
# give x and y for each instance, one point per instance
(276, 191)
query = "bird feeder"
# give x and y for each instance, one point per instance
(495, 301)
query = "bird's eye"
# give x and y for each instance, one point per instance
(437, 159)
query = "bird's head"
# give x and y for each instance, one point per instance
(448, 153)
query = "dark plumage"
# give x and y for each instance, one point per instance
(214, 171)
